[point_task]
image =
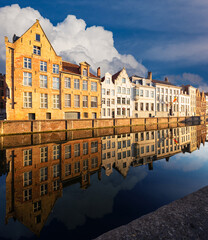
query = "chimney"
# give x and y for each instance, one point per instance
(166, 79)
(98, 72)
(149, 75)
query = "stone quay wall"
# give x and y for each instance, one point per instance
(41, 126)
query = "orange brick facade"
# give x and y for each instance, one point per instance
(70, 162)
(36, 79)
(200, 103)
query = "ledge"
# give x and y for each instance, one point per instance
(186, 218)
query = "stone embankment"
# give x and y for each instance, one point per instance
(41, 126)
(186, 218)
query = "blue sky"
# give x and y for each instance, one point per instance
(167, 37)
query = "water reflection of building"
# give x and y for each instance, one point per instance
(116, 152)
(38, 173)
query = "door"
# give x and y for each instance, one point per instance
(94, 115)
(113, 113)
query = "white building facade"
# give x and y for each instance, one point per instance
(117, 95)
(144, 97)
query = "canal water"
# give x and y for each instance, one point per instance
(78, 185)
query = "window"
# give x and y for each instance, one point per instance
(56, 152)
(36, 206)
(43, 66)
(43, 100)
(108, 102)
(142, 106)
(107, 80)
(43, 154)
(77, 101)
(27, 157)
(27, 178)
(118, 89)
(128, 91)
(124, 154)
(141, 93)
(55, 83)
(85, 85)
(113, 101)
(56, 170)
(76, 83)
(27, 99)
(85, 114)
(108, 92)
(76, 167)
(94, 86)
(56, 101)
(56, 68)
(94, 162)
(56, 185)
(118, 100)
(27, 194)
(85, 148)
(37, 37)
(123, 101)
(123, 80)
(43, 189)
(43, 81)
(128, 153)
(27, 79)
(108, 112)
(103, 112)
(152, 106)
(103, 91)
(36, 50)
(67, 151)
(119, 156)
(67, 82)
(67, 169)
(85, 164)
(94, 102)
(123, 90)
(44, 174)
(113, 92)
(147, 106)
(118, 111)
(123, 111)
(85, 72)
(146, 93)
(85, 101)
(67, 100)
(94, 147)
(77, 150)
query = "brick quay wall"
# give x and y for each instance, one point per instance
(41, 126)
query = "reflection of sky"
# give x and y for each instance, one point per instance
(113, 201)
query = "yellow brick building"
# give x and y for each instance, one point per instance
(42, 86)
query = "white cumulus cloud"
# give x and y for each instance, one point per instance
(71, 39)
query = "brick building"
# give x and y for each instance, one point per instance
(200, 103)
(2, 96)
(42, 86)
(37, 175)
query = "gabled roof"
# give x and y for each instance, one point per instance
(73, 68)
(116, 75)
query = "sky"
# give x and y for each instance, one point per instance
(167, 37)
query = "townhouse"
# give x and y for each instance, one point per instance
(144, 96)
(42, 86)
(167, 98)
(117, 98)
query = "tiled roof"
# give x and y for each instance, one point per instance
(163, 82)
(115, 76)
(73, 68)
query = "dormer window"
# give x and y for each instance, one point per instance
(108, 80)
(36, 50)
(37, 37)
(84, 72)
(123, 80)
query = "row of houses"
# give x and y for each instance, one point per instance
(39, 84)
(37, 174)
